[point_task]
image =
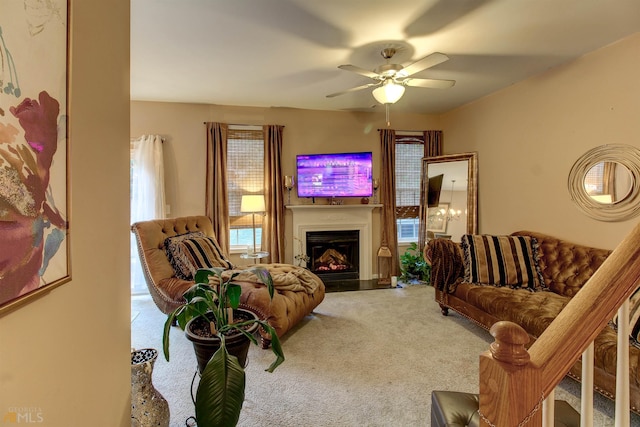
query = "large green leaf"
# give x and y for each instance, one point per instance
(165, 333)
(263, 275)
(202, 274)
(233, 293)
(276, 347)
(221, 391)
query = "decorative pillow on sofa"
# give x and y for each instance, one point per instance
(502, 261)
(634, 319)
(189, 252)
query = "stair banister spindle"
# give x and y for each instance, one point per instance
(623, 418)
(548, 410)
(586, 402)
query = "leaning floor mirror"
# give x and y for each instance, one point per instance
(450, 196)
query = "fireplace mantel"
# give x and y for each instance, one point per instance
(333, 207)
(335, 217)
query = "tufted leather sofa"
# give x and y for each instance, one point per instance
(566, 267)
(455, 409)
(285, 310)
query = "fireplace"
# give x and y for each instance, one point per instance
(334, 254)
(316, 217)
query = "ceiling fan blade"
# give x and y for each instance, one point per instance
(424, 63)
(430, 83)
(359, 70)
(353, 89)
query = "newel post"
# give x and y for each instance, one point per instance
(510, 393)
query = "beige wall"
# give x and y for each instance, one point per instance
(68, 352)
(306, 131)
(529, 135)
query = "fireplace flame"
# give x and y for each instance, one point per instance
(331, 260)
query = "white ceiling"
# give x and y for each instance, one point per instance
(285, 53)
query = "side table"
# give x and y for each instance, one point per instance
(255, 255)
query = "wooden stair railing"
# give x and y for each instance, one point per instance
(512, 385)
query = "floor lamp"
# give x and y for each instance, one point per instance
(252, 203)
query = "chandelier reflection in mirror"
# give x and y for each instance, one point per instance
(450, 214)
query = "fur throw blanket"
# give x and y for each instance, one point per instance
(286, 277)
(444, 273)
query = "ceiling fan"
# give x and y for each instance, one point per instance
(390, 79)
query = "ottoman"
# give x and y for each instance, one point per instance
(457, 409)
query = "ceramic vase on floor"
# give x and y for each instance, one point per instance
(148, 407)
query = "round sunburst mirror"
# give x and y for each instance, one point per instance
(605, 182)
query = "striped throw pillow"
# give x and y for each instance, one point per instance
(502, 261)
(189, 252)
(634, 319)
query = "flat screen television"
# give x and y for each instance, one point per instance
(433, 192)
(335, 175)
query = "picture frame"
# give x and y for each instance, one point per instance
(34, 150)
(436, 222)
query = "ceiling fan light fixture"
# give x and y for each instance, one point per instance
(389, 93)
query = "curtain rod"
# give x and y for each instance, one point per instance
(405, 130)
(239, 124)
(233, 124)
(132, 139)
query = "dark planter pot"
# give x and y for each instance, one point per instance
(237, 343)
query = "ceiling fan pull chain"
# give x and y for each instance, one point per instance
(386, 106)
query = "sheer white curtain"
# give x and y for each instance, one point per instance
(147, 194)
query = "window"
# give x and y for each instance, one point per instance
(138, 284)
(245, 175)
(594, 179)
(409, 154)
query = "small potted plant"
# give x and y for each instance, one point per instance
(302, 259)
(211, 315)
(413, 265)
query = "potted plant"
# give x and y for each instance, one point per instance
(220, 392)
(302, 259)
(413, 265)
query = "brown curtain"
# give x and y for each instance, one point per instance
(388, 196)
(273, 225)
(216, 199)
(432, 147)
(609, 180)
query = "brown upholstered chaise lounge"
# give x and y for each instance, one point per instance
(297, 290)
(565, 268)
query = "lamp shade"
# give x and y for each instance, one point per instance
(252, 203)
(388, 93)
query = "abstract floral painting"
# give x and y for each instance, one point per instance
(34, 187)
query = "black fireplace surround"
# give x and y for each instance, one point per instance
(334, 255)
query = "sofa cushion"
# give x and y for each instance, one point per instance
(565, 266)
(502, 261)
(191, 251)
(534, 311)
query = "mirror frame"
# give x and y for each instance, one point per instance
(626, 155)
(472, 186)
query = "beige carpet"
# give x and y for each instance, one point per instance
(364, 358)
